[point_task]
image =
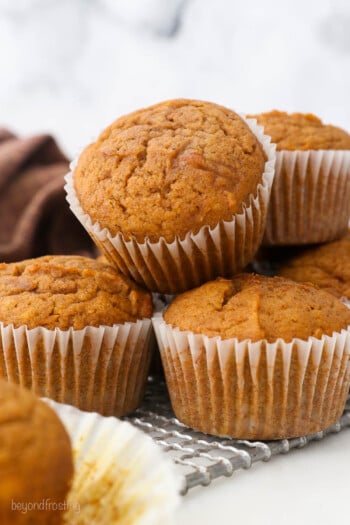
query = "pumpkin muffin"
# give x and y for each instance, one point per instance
(256, 357)
(66, 291)
(147, 191)
(302, 131)
(310, 199)
(76, 330)
(327, 266)
(36, 464)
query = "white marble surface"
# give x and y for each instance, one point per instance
(305, 487)
(72, 66)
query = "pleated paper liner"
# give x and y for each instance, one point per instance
(172, 267)
(121, 476)
(101, 369)
(160, 301)
(310, 197)
(259, 390)
(346, 301)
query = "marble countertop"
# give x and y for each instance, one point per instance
(307, 486)
(72, 66)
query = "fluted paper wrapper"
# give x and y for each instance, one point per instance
(310, 197)
(255, 390)
(101, 369)
(173, 267)
(121, 476)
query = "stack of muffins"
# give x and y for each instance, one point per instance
(177, 197)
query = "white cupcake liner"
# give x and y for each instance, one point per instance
(310, 197)
(172, 267)
(255, 390)
(345, 301)
(101, 369)
(121, 476)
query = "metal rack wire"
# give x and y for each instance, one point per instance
(200, 458)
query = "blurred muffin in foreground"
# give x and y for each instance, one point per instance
(256, 357)
(310, 198)
(75, 330)
(147, 191)
(36, 465)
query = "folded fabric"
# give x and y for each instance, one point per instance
(34, 216)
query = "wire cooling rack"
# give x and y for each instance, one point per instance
(200, 458)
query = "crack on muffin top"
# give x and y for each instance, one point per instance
(158, 171)
(256, 307)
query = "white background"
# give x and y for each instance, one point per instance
(73, 66)
(70, 67)
(304, 487)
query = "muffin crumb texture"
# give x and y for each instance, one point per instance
(302, 131)
(68, 291)
(257, 307)
(327, 266)
(158, 171)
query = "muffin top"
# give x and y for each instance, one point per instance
(257, 307)
(302, 131)
(327, 266)
(158, 171)
(68, 291)
(35, 451)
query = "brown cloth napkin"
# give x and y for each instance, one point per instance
(34, 215)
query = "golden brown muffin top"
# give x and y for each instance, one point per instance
(256, 307)
(68, 291)
(302, 131)
(169, 169)
(327, 266)
(35, 455)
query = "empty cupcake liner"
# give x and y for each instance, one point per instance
(101, 369)
(121, 476)
(310, 197)
(172, 267)
(255, 390)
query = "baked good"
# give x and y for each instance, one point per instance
(249, 306)
(36, 464)
(327, 266)
(256, 357)
(76, 330)
(302, 131)
(310, 198)
(147, 191)
(157, 172)
(67, 291)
